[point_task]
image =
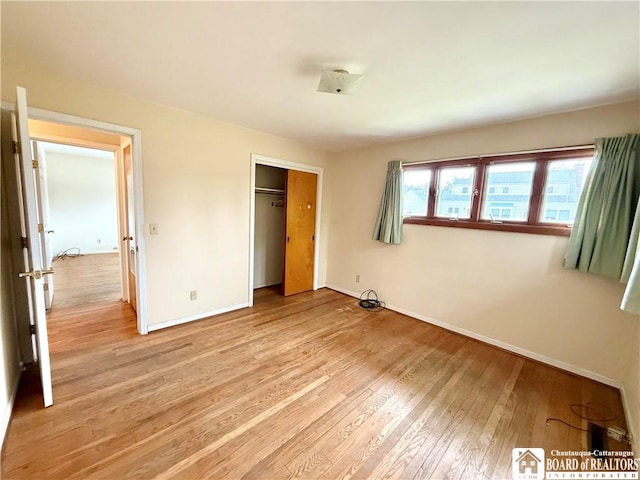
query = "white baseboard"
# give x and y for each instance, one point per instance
(631, 426)
(95, 252)
(6, 416)
(496, 343)
(197, 316)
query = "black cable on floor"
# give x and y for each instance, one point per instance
(68, 253)
(369, 301)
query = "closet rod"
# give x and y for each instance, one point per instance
(272, 191)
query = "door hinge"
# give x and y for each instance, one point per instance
(24, 242)
(40, 228)
(46, 287)
(14, 145)
(34, 163)
(32, 329)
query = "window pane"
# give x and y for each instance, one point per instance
(565, 179)
(550, 215)
(454, 192)
(416, 192)
(564, 215)
(509, 191)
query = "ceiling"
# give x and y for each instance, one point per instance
(429, 67)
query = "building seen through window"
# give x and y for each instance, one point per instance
(521, 191)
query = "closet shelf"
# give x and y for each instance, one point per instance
(272, 191)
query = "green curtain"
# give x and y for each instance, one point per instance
(389, 223)
(631, 269)
(602, 228)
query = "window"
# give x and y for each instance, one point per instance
(534, 192)
(569, 175)
(449, 179)
(416, 192)
(520, 176)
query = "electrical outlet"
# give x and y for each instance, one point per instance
(357, 278)
(153, 228)
(193, 295)
(618, 434)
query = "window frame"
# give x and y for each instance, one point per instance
(535, 222)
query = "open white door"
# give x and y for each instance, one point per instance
(34, 270)
(130, 237)
(40, 175)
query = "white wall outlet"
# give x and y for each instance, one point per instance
(153, 228)
(357, 278)
(193, 295)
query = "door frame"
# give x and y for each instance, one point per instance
(136, 154)
(257, 159)
(118, 169)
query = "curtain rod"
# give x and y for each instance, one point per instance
(490, 155)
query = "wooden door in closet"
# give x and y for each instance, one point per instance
(299, 232)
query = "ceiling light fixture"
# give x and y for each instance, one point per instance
(339, 82)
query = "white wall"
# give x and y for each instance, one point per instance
(197, 189)
(82, 200)
(508, 287)
(269, 240)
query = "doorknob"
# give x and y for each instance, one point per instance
(124, 239)
(36, 274)
(51, 231)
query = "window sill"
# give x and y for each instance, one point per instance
(556, 230)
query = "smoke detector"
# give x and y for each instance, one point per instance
(339, 82)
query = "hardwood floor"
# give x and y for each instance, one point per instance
(86, 279)
(308, 386)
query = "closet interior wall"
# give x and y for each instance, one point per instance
(269, 226)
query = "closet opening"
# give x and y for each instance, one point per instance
(270, 216)
(285, 212)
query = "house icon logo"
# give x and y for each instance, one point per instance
(528, 463)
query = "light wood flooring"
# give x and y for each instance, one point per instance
(309, 386)
(86, 279)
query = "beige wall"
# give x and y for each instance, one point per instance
(508, 287)
(196, 188)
